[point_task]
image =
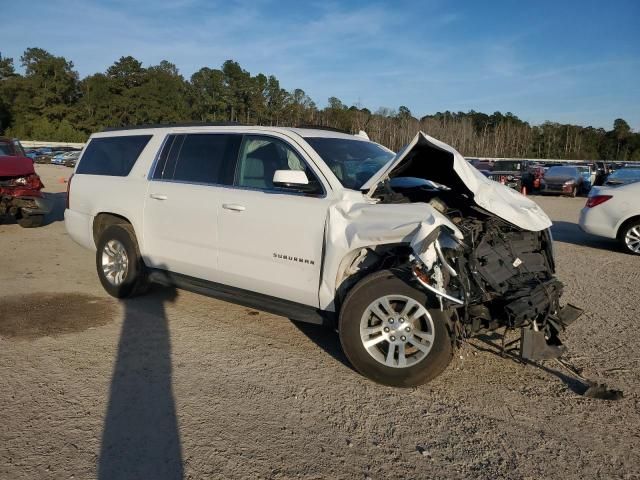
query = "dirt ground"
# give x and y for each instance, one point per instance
(176, 385)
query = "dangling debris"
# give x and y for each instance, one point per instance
(592, 389)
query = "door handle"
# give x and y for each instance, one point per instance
(233, 206)
(158, 196)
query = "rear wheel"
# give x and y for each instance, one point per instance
(31, 221)
(629, 237)
(118, 261)
(390, 335)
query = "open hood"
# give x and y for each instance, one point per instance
(430, 159)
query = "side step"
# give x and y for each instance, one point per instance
(246, 298)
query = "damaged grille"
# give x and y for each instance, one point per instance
(510, 271)
(506, 261)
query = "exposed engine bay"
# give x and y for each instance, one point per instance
(498, 275)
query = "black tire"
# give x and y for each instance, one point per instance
(31, 221)
(624, 231)
(135, 280)
(372, 287)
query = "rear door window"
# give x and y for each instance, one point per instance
(113, 156)
(199, 158)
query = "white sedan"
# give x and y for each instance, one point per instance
(614, 212)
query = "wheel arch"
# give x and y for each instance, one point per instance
(361, 262)
(623, 224)
(103, 220)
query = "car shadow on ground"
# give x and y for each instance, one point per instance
(59, 201)
(325, 338)
(141, 438)
(492, 344)
(569, 232)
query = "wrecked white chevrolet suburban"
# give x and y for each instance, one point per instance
(406, 255)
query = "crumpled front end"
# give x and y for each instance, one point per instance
(482, 250)
(499, 276)
(21, 191)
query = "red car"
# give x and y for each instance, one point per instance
(21, 192)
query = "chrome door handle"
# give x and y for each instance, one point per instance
(158, 196)
(233, 206)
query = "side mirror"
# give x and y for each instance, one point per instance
(293, 180)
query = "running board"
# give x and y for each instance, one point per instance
(246, 298)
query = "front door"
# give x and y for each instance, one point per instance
(270, 240)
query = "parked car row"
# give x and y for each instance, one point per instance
(67, 157)
(557, 178)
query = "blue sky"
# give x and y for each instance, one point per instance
(565, 61)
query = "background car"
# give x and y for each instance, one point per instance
(71, 159)
(508, 172)
(481, 165)
(61, 158)
(563, 180)
(44, 151)
(623, 176)
(58, 157)
(614, 212)
(21, 192)
(32, 154)
(42, 158)
(588, 176)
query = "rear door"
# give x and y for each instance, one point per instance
(183, 199)
(271, 240)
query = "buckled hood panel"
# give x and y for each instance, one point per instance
(428, 158)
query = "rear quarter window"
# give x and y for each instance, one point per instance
(113, 156)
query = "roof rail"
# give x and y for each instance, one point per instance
(169, 125)
(321, 127)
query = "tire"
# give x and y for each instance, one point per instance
(31, 221)
(130, 280)
(629, 237)
(419, 367)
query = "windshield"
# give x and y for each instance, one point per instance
(507, 166)
(352, 161)
(561, 172)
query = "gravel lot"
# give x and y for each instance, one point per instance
(176, 385)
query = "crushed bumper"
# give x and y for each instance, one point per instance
(31, 205)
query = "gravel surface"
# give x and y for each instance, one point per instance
(176, 385)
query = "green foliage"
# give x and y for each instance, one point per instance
(50, 102)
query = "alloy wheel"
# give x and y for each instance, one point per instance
(115, 262)
(397, 331)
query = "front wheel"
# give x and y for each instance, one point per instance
(389, 334)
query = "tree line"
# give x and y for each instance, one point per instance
(50, 101)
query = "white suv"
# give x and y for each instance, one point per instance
(405, 254)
